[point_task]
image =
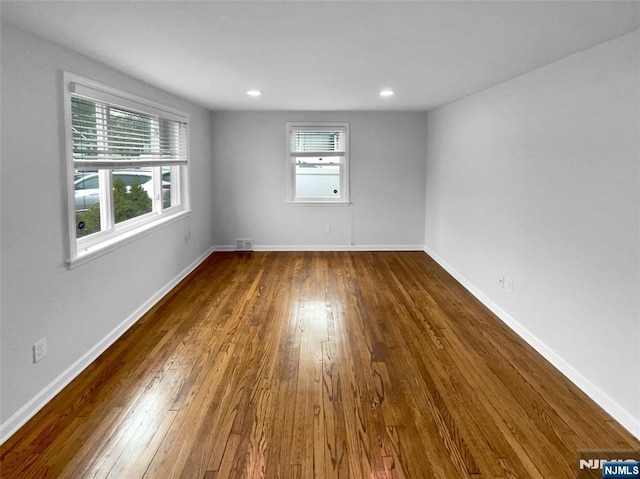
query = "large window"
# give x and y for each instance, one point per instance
(318, 163)
(127, 165)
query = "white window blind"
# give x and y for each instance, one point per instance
(317, 142)
(106, 135)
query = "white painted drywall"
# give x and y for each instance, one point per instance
(386, 182)
(538, 179)
(74, 309)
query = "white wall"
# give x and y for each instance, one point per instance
(386, 182)
(538, 179)
(81, 310)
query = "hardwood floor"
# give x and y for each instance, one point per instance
(302, 365)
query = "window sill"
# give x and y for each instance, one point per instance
(319, 203)
(89, 253)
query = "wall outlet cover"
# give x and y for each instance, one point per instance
(39, 350)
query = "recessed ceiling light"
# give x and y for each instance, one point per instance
(386, 92)
(254, 93)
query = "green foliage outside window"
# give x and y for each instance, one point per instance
(128, 203)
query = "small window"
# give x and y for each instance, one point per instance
(318, 163)
(127, 162)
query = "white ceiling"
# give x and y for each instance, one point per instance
(324, 55)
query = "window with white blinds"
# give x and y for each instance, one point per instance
(128, 165)
(318, 166)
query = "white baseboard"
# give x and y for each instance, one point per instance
(624, 417)
(26, 412)
(325, 247)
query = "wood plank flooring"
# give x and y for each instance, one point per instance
(315, 365)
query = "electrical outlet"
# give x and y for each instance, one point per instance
(327, 228)
(501, 281)
(509, 282)
(39, 350)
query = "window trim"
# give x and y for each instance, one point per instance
(344, 198)
(82, 250)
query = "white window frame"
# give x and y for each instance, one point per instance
(84, 249)
(343, 198)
